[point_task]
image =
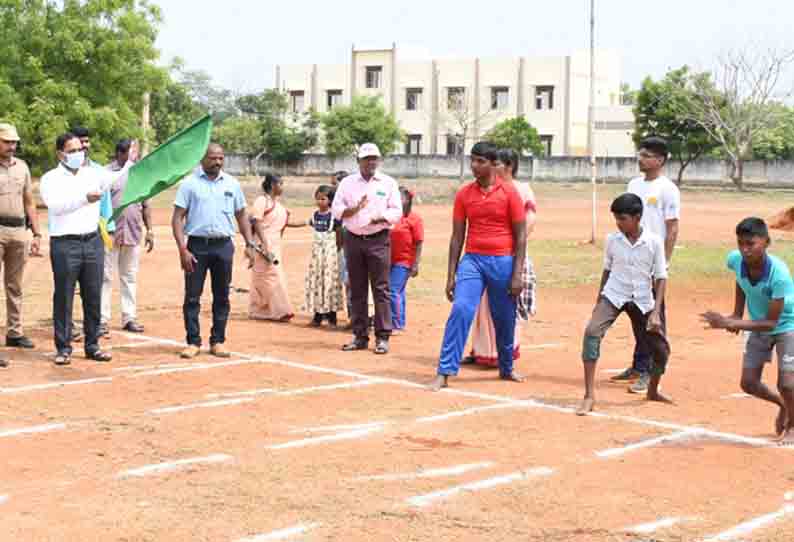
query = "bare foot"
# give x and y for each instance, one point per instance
(438, 383)
(513, 377)
(659, 397)
(780, 422)
(787, 440)
(587, 406)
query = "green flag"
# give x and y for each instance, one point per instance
(167, 164)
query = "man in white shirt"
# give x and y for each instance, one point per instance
(72, 192)
(634, 281)
(661, 200)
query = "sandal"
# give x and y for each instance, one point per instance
(99, 355)
(62, 358)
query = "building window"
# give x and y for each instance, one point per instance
(544, 98)
(334, 98)
(414, 144)
(546, 141)
(296, 99)
(453, 147)
(374, 76)
(413, 99)
(500, 98)
(456, 98)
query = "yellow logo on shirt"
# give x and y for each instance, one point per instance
(653, 200)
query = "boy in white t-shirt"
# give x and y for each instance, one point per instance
(661, 200)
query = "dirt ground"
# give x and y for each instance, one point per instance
(292, 439)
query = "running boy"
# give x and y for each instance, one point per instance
(764, 284)
(634, 281)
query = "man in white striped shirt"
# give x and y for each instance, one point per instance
(633, 281)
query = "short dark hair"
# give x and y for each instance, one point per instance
(270, 180)
(509, 157)
(60, 141)
(409, 195)
(326, 190)
(486, 149)
(341, 174)
(752, 227)
(657, 145)
(123, 146)
(81, 131)
(627, 204)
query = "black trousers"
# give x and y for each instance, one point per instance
(368, 261)
(217, 257)
(77, 259)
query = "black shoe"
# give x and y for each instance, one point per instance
(133, 327)
(3, 362)
(20, 342)
(382, 346)
(357, 344)
(332, 319)
(317, 321)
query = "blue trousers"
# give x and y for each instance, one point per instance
(398, 280)
(475, 274)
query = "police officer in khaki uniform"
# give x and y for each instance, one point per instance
(16, 203)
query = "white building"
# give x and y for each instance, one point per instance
(432, 100)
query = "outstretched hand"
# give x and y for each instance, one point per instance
(715, 320)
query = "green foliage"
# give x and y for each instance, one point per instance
(777, 143)
(76, 62)
(517, 134)
(363, 121)
(172, 109)
(663, 108)
(240, 135)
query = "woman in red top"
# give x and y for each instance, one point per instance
(407, 238)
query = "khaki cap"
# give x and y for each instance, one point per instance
(8, 132)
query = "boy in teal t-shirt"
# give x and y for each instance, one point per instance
(764, 285)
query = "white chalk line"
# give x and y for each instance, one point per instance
(456, 470)
(52, 385)
(612, 371)
(749, 526)
(129, 368)
(282, 534)
(430, 498)
(530, 403)
(339, 428)
(195, 367)
(248, 393)
(32, 430)
(541, 346)
(615, 452)
(467, 412)
(652, 527)
(347, 435)
(3, 499)
(174, 465)
(737, 396)
(206, 404)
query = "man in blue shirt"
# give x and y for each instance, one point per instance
(764, 284)
(208, 203)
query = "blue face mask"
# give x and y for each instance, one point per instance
(74, 160)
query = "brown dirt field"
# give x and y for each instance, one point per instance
(67, 483)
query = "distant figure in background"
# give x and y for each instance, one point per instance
(323, 287)
(268, 297)
(343, 274)
(407, 239)
(483, 350)
(16, 202)
(125, 255)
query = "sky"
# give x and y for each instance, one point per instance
(239, 42)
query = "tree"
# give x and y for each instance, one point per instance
(461, 120)
(777, 143)
(240, 135)
(220, 102)
(363, 121)
(748, 84)
(663, 108)
(172, 109)
(74, 62)
(627, 95)
(516, 134)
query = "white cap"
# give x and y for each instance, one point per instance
(368, 149)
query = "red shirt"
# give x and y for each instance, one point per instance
(404, 236)
(491, 216)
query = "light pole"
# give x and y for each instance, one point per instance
(591, 123)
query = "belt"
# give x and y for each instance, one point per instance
(76, 237)
(209, 240)
(368, 236)
(12, 222)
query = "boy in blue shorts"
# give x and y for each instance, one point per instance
(764, 285)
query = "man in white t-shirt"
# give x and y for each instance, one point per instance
(661, 200)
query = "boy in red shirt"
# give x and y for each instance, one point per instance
(407, 238)
(489, 215)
